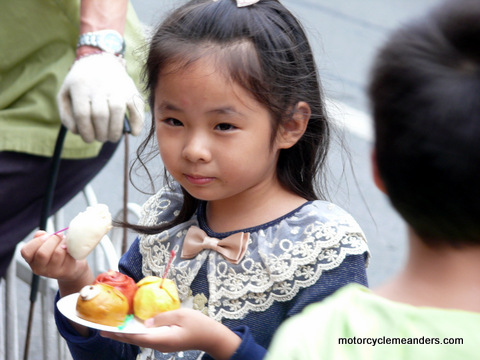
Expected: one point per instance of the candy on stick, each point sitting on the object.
(172, 255)
(155, 295)
(87, 229)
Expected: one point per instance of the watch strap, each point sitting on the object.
(94, 39)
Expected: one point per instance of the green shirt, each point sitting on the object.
(354, 323)
(37, 47)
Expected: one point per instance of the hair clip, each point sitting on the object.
(242, 3)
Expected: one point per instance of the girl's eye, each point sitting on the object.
(224, 127)
(173, 122)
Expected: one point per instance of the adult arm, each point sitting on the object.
(101, 15)
(97, 92)
(106, 14)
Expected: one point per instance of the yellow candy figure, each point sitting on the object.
(154, 297)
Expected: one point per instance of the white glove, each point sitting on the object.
(94, 97)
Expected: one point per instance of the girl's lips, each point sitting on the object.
(198, 180)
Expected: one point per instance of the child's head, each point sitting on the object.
(425, 94)
(263, 49)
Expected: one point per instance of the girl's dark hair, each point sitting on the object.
(425, 95)
(264, 49)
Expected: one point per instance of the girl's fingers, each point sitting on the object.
(31, 247)
(47, 249)
(167, 318)
(39, 251)
(39, 233)
(160, 340)
(29, 250)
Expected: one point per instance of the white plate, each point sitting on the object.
(67, 306)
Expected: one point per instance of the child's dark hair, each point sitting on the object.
(264, 49)
(425, 96)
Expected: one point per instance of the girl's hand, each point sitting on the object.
(185, 329)
(47, 256)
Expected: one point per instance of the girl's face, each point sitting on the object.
(214, 138)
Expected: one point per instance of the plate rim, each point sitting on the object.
(65, 303)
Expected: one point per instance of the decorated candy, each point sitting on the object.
(102, 304)
(123, 283)
(87, 229)
(155, 295)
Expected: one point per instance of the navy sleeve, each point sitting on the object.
(131, 262)
(248, 349)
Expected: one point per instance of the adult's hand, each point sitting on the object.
(95, 96)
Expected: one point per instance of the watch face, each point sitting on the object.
(112, 43)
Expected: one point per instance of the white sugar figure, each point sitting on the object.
(87, 229)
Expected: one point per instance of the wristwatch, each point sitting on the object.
(106, 40)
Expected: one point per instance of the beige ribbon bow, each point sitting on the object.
(232, 248)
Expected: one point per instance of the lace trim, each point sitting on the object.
(150, 354)
(280, 261)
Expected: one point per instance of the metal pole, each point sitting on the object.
(44, 215)
(126, 130)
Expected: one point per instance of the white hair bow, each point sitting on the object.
(242, 3)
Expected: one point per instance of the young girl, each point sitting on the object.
(241, 129)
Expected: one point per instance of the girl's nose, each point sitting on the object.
(197, 148)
